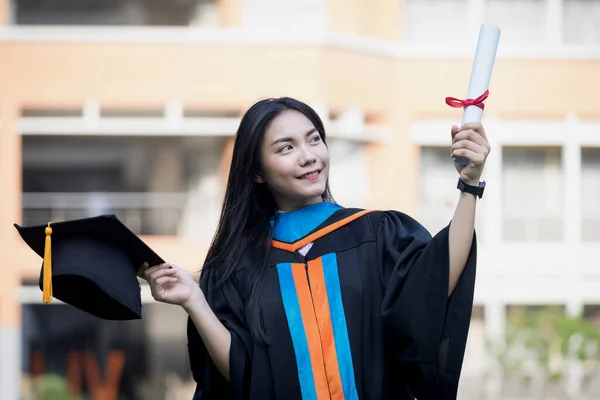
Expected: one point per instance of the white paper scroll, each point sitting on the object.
(481, 73)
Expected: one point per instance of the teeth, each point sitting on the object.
(311, 174)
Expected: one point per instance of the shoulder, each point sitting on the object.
(393, 222)
(381, 222)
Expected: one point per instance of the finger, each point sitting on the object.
(164, 280)
(474, 158)
(149, 271)
(162, 272)
(467, 144)
(476, 126)
(454, 130)
(473, 136)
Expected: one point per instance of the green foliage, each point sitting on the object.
(542, 340)
(51, 387)
(56, 387)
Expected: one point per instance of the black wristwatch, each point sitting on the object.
(475, 190)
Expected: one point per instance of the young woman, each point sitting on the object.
(301, 298)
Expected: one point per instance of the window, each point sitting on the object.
(581, 22)
(348, 172)
(155, 185)
(437, 192)
(289, 15)
(590, 194)
(438, 195)
(116, 12)
(435, 21)
(532, 194)
(521, 21)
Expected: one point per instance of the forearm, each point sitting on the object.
(214, 334)
(460, 238)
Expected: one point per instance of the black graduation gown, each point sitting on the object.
(365, 315)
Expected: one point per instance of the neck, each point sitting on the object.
(288, 206)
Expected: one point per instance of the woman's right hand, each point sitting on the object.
(171, 284)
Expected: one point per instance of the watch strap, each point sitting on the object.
(474, 190)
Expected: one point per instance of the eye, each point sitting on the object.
(285, 148)
(315, 139)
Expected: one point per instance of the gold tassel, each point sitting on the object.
(47, 283)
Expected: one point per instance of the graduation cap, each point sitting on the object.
(91, 264)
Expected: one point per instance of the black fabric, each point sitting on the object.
(407, 337)
(94, 264)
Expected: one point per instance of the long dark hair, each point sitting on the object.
(244, 229)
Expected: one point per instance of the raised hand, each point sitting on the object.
(170, 284)
(470, 142)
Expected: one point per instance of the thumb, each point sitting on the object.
(143, 267)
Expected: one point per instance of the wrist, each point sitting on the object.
(195, 302)
(470, 182)
(470, 187)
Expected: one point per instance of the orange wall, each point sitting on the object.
(10, 174)
(4, 11)
(231, 13)
(362, 18)
(54, 74)
(213, 76)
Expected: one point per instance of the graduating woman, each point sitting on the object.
(301, 298)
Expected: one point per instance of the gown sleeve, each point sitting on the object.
(227, 305)
(426, 329)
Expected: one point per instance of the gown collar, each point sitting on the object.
(294, 225)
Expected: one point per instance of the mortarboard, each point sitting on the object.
(91, 263)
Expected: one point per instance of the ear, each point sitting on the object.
(258, 178)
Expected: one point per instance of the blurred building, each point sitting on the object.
(130, 107)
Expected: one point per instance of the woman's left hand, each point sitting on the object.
(470, 142)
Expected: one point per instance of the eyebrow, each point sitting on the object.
(289, 139)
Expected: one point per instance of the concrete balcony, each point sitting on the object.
(539, 273)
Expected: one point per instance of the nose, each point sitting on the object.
(307, 158)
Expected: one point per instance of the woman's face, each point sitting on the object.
(295, 161)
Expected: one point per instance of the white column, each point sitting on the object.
(572, 215)
(201, 212)
(554, 25)
(572, 228)
(10, 363)
(491, 203)
(572, 186)
(476, 15)
(164, 176)
(10, 309)
(495, 319)
(495, 330)
(495, 309)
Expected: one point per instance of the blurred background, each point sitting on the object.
(130, 107)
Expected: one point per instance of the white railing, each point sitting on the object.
(514, 132)
(352, 128)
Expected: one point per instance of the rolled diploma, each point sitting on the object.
(483, 64)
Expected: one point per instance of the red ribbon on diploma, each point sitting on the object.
(456, 103)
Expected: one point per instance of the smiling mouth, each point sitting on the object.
(309, 175)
